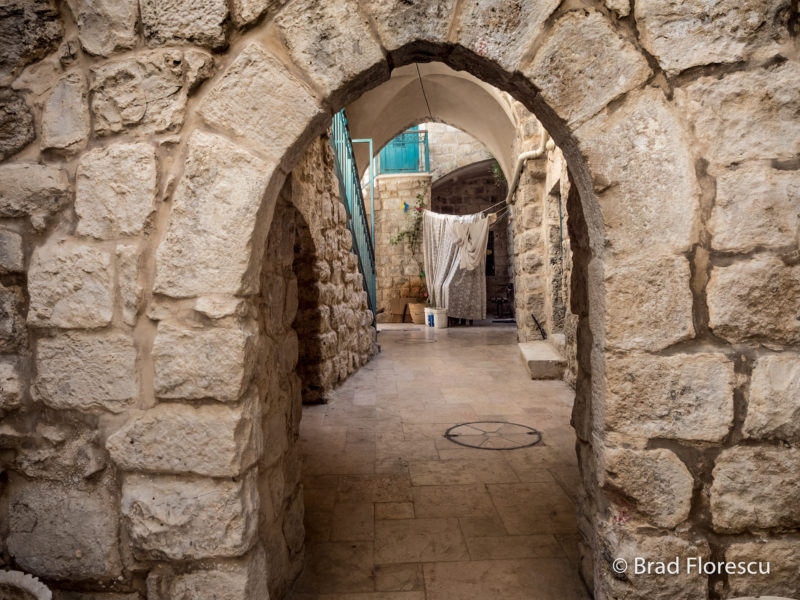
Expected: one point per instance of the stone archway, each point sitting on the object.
(672, 263)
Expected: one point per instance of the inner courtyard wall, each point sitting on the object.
(142, 163)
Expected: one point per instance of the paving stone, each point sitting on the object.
(115, 190)
(452, 501)
(85, 371)
(533, 508)
(418, 540)
(170, 518)
(338, 567)
(71, 285)
(583, 65)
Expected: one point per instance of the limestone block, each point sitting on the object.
(60, 453)
(755, 206)
(755, 297)
(115, 188)
(783, 557)
(65, 117)
(28, 189)
(756, 488)
(648, 192)
(147, 92)
(773, 409)
(29, 30)
(333, 42)
(683, 34)
(656, 480)
(231, 580)
(399, 23)
(583, 65)
(684, 396)
(648, 303)
(61, 532)
(171, 518)
(12, 258)
(245, 12)
(203, 363)
(127, 279)
(256, 88)
(215, 234)
(219, 307)
(621, 7)
(85, 371)
(13, 334)
(213, 440)
(105, 26)
(622, 541)
(71, 285)
(62, 595)
(176, 21)
(745, 115)
(16, 123)
(10, 391)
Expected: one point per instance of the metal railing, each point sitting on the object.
(406, 153)
(350, 189)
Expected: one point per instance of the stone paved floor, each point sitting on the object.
(394, 511)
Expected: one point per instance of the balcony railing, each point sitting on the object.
(350, 189)
(407, 153)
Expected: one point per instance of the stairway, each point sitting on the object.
(543, 359)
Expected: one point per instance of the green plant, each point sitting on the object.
(497, 173)
(412, 233)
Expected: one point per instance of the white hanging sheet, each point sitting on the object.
(454, 249)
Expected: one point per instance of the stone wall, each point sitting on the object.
(334, 322)
(450, 149)
(143, 154)
(397, 270)
(469, 194)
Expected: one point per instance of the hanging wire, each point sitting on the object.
(493, 205)
(424, 95)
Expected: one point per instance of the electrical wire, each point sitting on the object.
(424, 95)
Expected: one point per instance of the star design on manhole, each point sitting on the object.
(493, 435)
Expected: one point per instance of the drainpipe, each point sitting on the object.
(521, 159)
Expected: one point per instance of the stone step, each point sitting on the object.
(542, 360)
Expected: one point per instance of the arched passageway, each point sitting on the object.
(140, 320)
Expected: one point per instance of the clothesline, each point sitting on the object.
(493, 205)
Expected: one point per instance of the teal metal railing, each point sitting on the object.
(350, 189)
(406, 153)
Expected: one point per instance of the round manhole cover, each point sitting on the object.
(493, 435)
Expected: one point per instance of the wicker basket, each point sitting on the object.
(417, 311)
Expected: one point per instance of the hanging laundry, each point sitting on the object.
(454, 249)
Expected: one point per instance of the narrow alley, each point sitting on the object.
(395, 511)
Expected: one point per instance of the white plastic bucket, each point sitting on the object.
(428, 316)
(440, 318)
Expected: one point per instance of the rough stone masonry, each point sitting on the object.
(144, 149)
